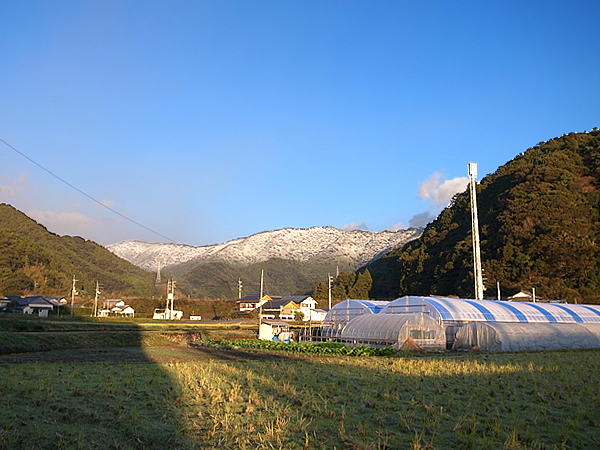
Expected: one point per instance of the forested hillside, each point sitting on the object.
(34, 261)
(281, 277)
(539, 228)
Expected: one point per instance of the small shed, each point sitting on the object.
(395, 329)
(505, 337)
(271, 330)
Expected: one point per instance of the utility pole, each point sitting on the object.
(477, 272)
(239, 288)
(262, 273)
(95, 311)
(262, 280)
(329, 283)
(73, 294)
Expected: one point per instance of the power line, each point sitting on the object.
(83, 193)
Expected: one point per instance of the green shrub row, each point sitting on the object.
(320, 348)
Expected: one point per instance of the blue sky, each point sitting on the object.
(206, 121)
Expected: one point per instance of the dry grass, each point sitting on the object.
(529, 400)
(162, 394)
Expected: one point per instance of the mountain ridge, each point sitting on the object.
(296, 244)
(34, 260)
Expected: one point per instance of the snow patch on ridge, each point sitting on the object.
(327, 243)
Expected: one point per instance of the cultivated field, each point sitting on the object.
(134, 385)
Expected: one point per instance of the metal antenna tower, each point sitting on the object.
(478, 274)
(158, 273)
(95, 312)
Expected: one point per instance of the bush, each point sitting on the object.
(320, 348)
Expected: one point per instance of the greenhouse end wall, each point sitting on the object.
(395, 329)
(496, 336)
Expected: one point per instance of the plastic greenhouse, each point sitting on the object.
(395, 329)
(455, 310)
(499, 336)
(455, 313)
(343, 312)
(487, 324)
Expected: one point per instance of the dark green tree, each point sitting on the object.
(321, 291)
(361, 288)
(342, 285)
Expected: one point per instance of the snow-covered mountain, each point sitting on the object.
(323, 243)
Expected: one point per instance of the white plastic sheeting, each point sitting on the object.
(498, 336)
(453, 310)
(395, 329)
(340, 314)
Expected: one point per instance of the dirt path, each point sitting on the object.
(174, 353)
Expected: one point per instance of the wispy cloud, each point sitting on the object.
(14, 190)
(396, 227)
(356, 226)
(71, 220)
(65, 222)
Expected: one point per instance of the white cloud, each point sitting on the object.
(72, 223)
(441, 191)
(428, 187)
(356, 226)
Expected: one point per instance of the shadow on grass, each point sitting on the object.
(81, 383)
(93, 385)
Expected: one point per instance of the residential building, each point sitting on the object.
(252, 301)
(281, 308)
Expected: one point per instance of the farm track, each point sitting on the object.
(162, 354)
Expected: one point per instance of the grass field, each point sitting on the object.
(161, 393)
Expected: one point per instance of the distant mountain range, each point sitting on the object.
(35, 260)
(293, 259)
(353, 248)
